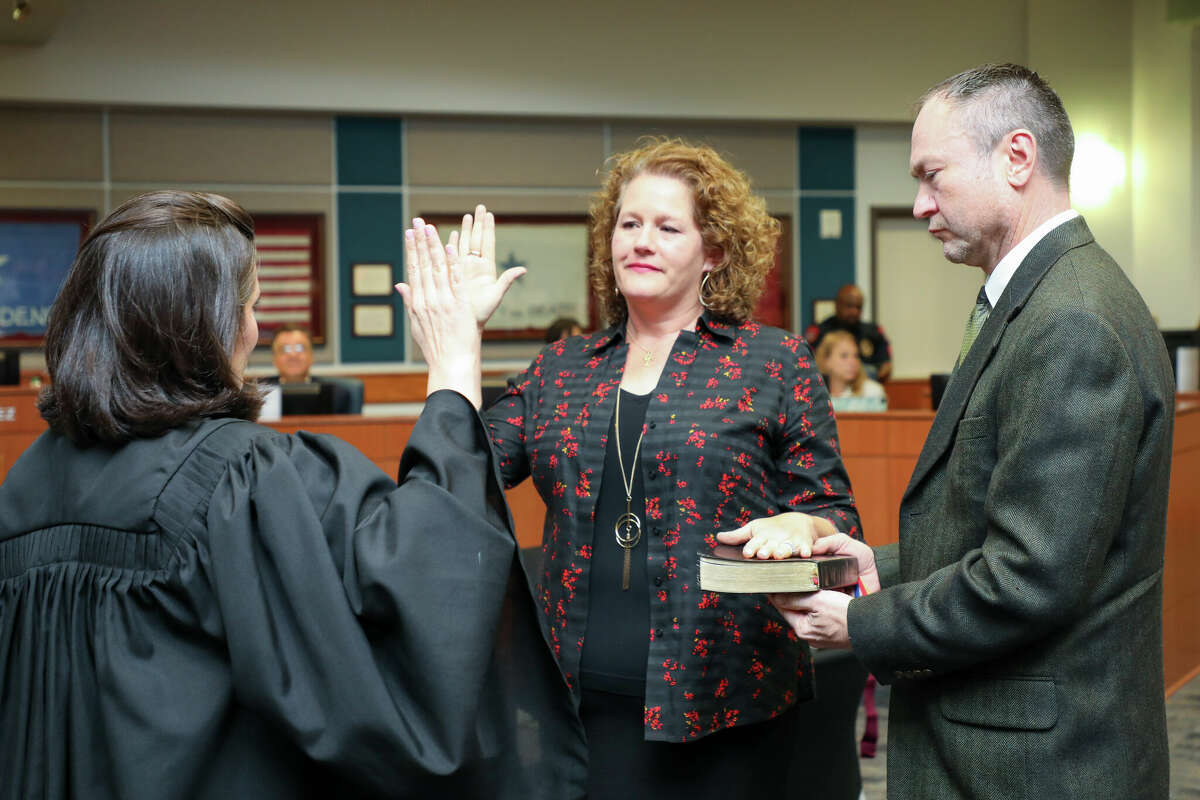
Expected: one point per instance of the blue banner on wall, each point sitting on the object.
(34, 260)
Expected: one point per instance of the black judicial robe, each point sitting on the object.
(227, 611)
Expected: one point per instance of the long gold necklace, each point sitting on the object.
(628, 527)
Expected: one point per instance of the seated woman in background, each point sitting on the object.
(682, 418)
(563, 328)
(192, 605)
(849, 387)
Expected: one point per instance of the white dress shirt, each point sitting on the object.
(1002, 274)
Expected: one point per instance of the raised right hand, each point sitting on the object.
(440, 314)
(476, 248)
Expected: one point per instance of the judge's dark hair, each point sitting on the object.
(997, 99)
(142, 334)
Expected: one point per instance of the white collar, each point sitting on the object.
(1002, 274)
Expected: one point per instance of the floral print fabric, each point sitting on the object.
(740, 426)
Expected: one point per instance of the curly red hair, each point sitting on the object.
(733, 222)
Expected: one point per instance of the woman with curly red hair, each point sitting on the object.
(683, 418)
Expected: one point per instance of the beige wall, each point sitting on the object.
(1195, 270)
(1131, 78)
(1092, 70)
(924, 298)
(1167, 265)
(756, 59)
(881, 174)
(554, 167)
(552, 89)
(94, 160)
(274, 162)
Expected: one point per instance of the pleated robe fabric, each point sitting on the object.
(227, 611)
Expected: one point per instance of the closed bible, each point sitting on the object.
(727, 570)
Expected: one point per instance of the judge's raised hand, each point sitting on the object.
(440, 313)
(781, 536)
(476, 247)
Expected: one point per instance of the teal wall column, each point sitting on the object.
(826, 181)
(371, 226)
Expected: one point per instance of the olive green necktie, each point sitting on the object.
(979, 315)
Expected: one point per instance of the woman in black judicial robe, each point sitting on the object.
(192, 605)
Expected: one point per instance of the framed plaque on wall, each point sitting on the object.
(554, 248)
(374, 320)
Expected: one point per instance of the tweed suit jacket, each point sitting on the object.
(1021, 620)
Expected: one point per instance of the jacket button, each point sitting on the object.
(658, 633)
(658, 581)
(653, 424)
(658, 531)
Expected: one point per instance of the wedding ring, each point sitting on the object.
(476, 253)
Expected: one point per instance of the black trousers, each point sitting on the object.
(747, 761)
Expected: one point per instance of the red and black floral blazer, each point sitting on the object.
(739, 426)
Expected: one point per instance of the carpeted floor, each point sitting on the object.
(1183, 734)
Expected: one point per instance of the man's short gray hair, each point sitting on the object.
(999, 98)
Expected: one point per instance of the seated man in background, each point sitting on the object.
(873, 346)
(293, 355)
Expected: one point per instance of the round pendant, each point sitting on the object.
(628, 530)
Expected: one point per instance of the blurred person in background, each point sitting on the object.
(563, 328)
(847, 381)
(873, 346)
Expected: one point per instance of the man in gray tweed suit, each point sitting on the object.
(1020, 619)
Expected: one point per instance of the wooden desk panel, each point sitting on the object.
(382, 439)
(20, 423)
(405, 387)
(908, 393)
(880, 451)
(18, 410)
(862, 434)
(409, 387)
(1181, 590)
(379, 438)
(870, 483)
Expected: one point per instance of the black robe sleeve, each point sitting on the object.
(388, 629)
